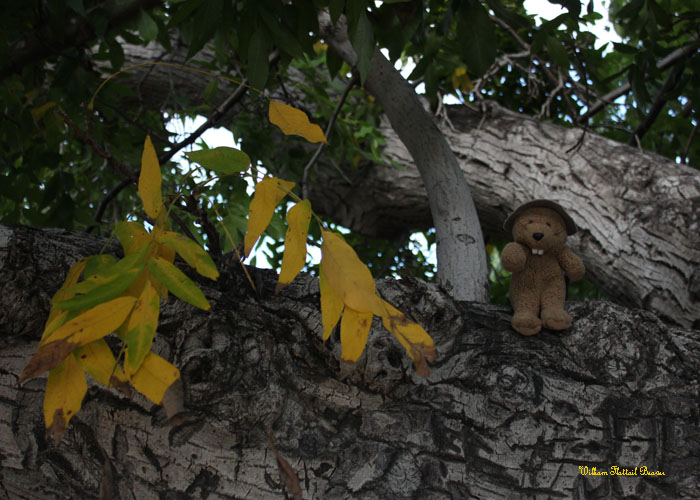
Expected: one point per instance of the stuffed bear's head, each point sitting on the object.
(541, 225)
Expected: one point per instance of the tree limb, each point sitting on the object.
(460, 245)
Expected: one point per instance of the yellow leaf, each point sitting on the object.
(294, 121)
(177, 282)
(190, 251)
(154, 377)
(320, 47)
(349, 277)
(331, 305)
(91, 325)
(141, 328)
(39, 111)
(418, 344)
(149, 181)
(95, 323)
(294, 257)
(131, 235)
(354, 328)
(461, 80)
(63, 294)
(96, 359)
(268, 193)
(65, 389)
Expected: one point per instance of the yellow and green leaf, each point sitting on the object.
(91, 325)
(177, 282)
(293, 121)
(354, 329)
(97, 360)
(58, 316)
(190, 251)
(107, 284)
(331, 305)
(154, 377)
(294, 257)
(141, 328)
(268, 193)
(348, 276)
(131, 235)
(65, 390)
(150, 181)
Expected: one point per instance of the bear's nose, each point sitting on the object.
(538, 236)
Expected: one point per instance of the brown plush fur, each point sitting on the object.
(537, 288)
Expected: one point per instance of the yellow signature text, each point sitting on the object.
(619, 471)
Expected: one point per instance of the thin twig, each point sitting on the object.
(214, 118)
(687, 145)
(90, 141)
(105, 201)
(669, 60)
(329, 129)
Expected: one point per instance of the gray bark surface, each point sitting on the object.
(501, 416)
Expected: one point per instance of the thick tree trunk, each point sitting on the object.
(639, 213)
(501, 416)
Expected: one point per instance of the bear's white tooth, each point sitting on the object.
(540, 252)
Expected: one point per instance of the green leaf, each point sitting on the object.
(363, 43)
(284, 39)
(190, 251)
(557, 52)
(107, 284)
(258, 65)
(177, 282)
(211, 90)
(336, 9)
(477, 38)
(222, 160)
(148, 29)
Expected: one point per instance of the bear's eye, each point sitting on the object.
(548, 224)
(530, 221)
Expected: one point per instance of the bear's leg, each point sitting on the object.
(553, 315)
(526, 306)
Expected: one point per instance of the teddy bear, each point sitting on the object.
(538, 259)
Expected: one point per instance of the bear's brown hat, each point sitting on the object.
(568, 221)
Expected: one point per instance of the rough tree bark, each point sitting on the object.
(501, 416)
(639, 213)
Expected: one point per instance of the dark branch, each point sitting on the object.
(675, 56)
(658, 105)
(329, 129)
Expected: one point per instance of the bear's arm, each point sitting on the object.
(513, 257)
(571, 264)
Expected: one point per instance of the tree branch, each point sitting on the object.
(669, 60)
(462, 269)
(329, 129)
